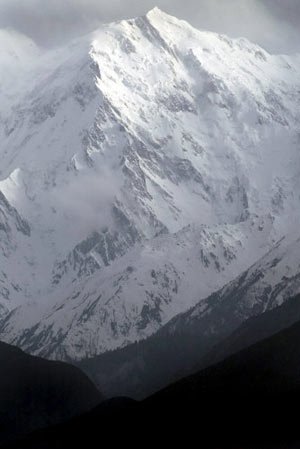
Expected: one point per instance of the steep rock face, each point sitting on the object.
(14, 236)
(116, 145)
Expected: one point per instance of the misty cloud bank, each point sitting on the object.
(273, 24)
(87, 201)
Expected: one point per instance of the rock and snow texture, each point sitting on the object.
(14, 244)
(268, 283)
(136, 295)
(152, 163)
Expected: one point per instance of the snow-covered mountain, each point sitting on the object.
(14, 244)
(152, 163)
(252, 307)
(136, 295)
(266, 284)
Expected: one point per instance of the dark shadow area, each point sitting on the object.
(36, 393)
(250, 400)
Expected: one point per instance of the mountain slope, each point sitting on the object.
(36, 393)
(180, 345)
(115, 146)
(137, 295)
(15, 235)
(254, 330)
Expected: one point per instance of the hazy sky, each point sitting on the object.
(272, 23)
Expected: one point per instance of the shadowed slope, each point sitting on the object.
(36, 393)
(249, 401)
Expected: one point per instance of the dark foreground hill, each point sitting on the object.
(250, 400)
(36, 393)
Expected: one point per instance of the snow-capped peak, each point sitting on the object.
(121, 142)
(157, 13)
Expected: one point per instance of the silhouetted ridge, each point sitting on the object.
(36, 393)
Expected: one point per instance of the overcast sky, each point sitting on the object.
(273, 24)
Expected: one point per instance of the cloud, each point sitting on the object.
(86, 202)
(271, 23)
